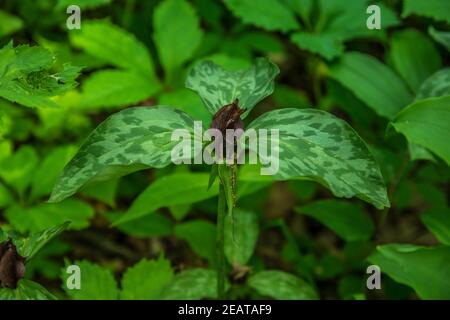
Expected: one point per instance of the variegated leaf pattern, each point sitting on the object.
(316, 145)
(436, 85)
(130, 140)
(218, 87)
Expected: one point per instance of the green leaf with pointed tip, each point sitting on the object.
(129, 140)
(177, 33)
(427, 123)
(436, 9)
(201, 236)
(436, 85)
(114, 45)
(414, 57)
(282, 286)
(372, 82)
(146, 279)
(188, 187)
(9, 23)
(437, 220)
(425, 269)
(26, 290)
(442, 37)
(348, 220)
(192, 284)
(326, 45)
(31, 245)
(268, 14)
(241, 234)
(115, 88)
(316, 145)
(97, 283)
(218, 87)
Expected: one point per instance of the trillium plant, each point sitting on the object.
(308, 144)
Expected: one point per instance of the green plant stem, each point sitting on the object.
(221, 211)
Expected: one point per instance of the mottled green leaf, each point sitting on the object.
(201, 236)
(26, 290)
(316, 145)
(177, 33)
(268, 14)
(436, 85)
(414, 56)
(47, 215)
(97, 283)
(130, 140)
(372, 82)
(218, 87)
(114, 45)
(326, 45)
(188, 188)
(427, 123)
(31, 245)
(440, 36)
(282, 286)
(437, 220)
(436, 9)
(241, 234)
(192, 284)
(114, 88)
(146, 279)
(425, 269)
(349, 221)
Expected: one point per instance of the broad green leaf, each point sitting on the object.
(372, 82)
(218, 87)
(177, 33)
(414, 57)
(302, 7)
(25, 77)
(187, 101)
(282, 286)
(28, 247)
(175, 189)
(436, 85)
(192, 284)
(427, 123)
(316, 145)
(436, 9)
(17, 170)
(425, 269)
(5, 196)
(103, 191)
(201, 236)
(437, 220)
(114, 45)
(349, 221)
(146, 279)
(130, 140)
(241, 234)
(48, 171)
(115, 88)
(26, 290)
(417, 152)
(97, 283)
(440, 36)
(9, 23)
(152, 225)
(262, 42)
(268, 14)
(43, 216)
(326, 45)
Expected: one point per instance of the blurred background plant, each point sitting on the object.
(392, 85)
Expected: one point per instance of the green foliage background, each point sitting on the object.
(293, 239)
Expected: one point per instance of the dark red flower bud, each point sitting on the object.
(12, 265)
